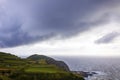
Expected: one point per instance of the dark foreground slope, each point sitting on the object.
(35, 67)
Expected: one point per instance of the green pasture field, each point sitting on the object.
(44, 69)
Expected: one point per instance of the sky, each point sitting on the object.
(60, 27)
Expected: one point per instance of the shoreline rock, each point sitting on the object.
(84, 73)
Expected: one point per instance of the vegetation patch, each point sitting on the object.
(44, 69)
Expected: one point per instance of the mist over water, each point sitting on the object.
(109, 68)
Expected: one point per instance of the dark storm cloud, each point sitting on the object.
(28, 21)
(107, 38)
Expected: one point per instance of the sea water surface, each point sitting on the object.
(107, 68)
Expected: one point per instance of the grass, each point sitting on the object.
(4, 78)
(44, 69)
(15, 62)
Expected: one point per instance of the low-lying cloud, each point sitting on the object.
(108, 38)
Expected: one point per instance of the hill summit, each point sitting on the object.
(49, 60)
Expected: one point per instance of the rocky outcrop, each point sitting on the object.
(60, 64)
(83, 73)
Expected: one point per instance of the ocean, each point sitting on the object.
(107, 68)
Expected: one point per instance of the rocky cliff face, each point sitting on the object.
(59, 64)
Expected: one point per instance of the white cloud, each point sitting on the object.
(80, 45)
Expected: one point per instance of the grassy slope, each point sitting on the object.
(44, 69)
(11, 61)
(28, 69)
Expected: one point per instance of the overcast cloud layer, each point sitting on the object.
(28, 21)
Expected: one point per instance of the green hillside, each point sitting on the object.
(35, 67)
(48, 60)
(44, 69)
(7, 56)
(10, 61)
